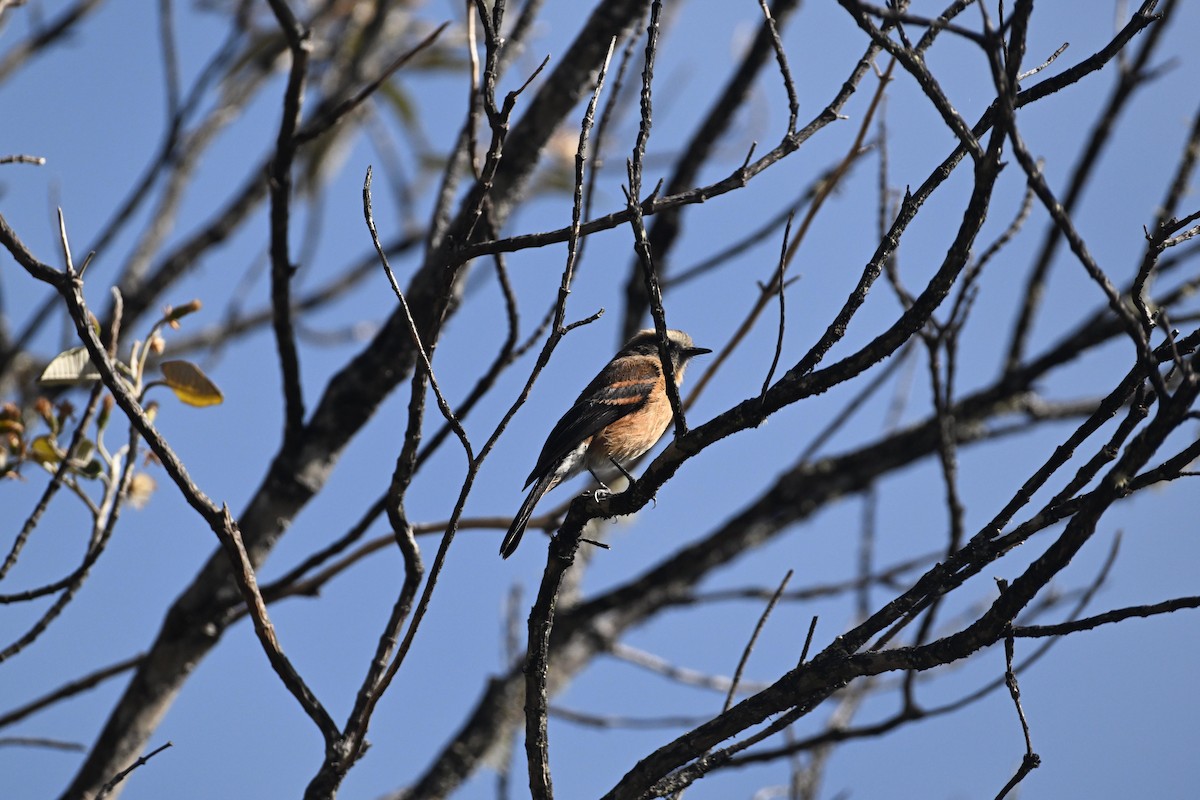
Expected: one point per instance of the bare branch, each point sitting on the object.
(107, 788)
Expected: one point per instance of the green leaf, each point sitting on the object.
(92, 469)
(83, 451)
(69, 368)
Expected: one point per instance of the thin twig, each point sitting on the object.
(38, 741)
(23, 159)
(70, 689)
(322, 123)
(1108, 617)
(1053, 56)
(418, 346)
(107, 788)
(789, 84)
(762, 620)
(300, 46)
(1031, 760)
(56, 482)
(808, 638)
(685, 676)
(779, 286)
(244, 573)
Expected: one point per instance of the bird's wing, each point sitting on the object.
(601, 404)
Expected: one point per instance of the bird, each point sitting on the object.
(621, 414)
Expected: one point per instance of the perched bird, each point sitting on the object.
(621, 414)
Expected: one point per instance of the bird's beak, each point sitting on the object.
(695, 351)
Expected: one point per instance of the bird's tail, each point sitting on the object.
(517, 529)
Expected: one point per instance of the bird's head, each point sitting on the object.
(679, 345)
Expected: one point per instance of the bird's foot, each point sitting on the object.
(632, 481)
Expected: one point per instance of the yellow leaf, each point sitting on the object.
(190, 384)
(44, 450)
